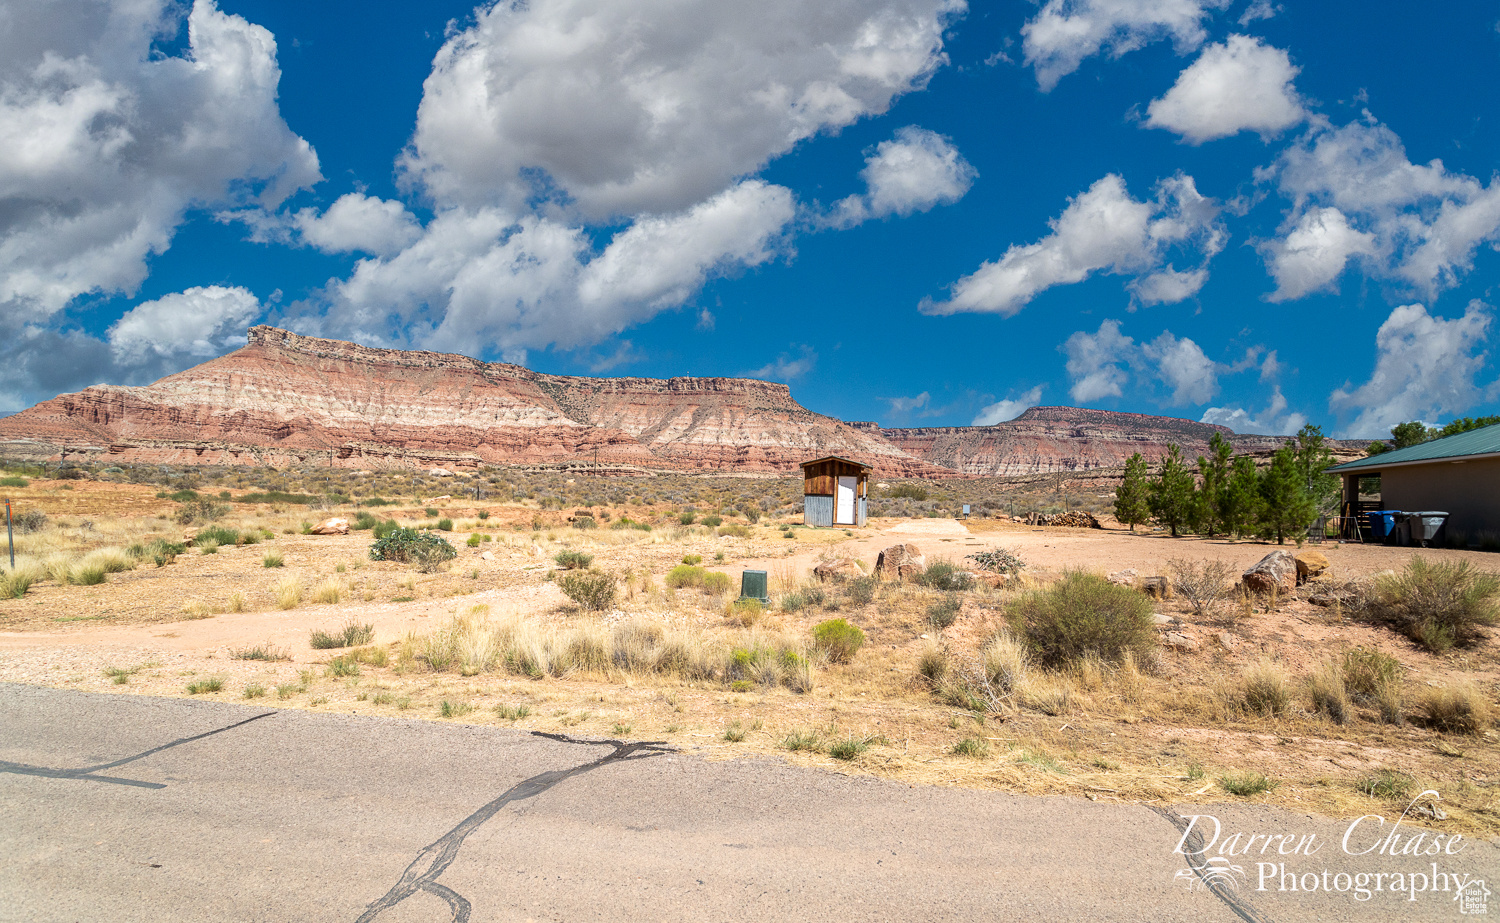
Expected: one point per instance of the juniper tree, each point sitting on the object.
(1133, 496)
(1287, 509)
(1172, 492)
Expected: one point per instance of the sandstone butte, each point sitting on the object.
(286, 399)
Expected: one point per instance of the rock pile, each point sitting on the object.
(1077, 519)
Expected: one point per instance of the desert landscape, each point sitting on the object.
(210, 582)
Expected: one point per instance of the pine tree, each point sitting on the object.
(1172, 492)
(1288, 508)
(1240, 505)
(1132, 497)
(1313, 460)
(1214, 470)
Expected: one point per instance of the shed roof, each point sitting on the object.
(825, 458)
(1476, 442)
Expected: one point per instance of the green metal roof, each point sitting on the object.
(1482, 441)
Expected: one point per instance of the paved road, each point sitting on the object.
(121, 808)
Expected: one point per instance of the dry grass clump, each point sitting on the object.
(288, 593)
(1438, 604)
(1458, 709)
(1329, 694)
(1264, 689)
(592, 590)
(1374, 678)
(473, 643)
(327, 593)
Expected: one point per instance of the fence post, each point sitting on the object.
(10, 536)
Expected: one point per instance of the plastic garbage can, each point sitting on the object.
(1424, 526)
(1382, 524)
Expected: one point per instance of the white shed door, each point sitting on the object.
(843, 501)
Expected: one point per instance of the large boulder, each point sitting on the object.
(1276, 571)
(1311, 565)
(334, 526)
(901, 562)
(836, 570)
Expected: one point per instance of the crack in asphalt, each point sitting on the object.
(434, 859)
(88, 773)
(1193, 855)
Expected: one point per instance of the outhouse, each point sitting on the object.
(834, 491)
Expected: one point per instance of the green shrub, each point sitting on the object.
(14, 482)
(343, 665)
(906, 492)
(211, 684)
(484, 514)
(363, 520)
(1388, 784)
(735, 529)
(217, 535)
(279, 496)
(571, 559)
(975, 748)
(943, 613)
(585, 522)
(353, 634)
(840, 639)
(687, 519)
(87, 574)
(28, 521)
(272, 559)
(201, 511)
(445, 525)
(1438, 604)
(943, 575)
(713, 522)
(848, 748)
(431, 512)
(1250, 783)
(1084, 613)
(473, 540)
(861, 590)
(15, 584)
(159, 551)
(590, 589)
(717, 583)
(684, 575)
(423, 549)
(692, 560)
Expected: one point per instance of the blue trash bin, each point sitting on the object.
(1382, 524)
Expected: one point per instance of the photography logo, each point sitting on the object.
(1216, 871)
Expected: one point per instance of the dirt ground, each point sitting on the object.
(1163, 735)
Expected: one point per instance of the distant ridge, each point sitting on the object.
(287, 399)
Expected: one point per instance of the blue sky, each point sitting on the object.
(921, 212)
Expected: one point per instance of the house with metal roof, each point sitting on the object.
(1458, 475)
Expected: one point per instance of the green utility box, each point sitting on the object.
(753, 586)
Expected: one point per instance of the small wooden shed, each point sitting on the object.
(834, 491)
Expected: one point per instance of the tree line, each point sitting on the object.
(1228, 495)
(1414, 432)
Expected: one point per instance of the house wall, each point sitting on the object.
(1468, 491)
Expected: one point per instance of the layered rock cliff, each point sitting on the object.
(1045, 440)
(286, 398)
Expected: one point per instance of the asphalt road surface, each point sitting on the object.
(121, 808)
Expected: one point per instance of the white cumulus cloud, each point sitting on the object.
(619, 107)
(1355, 192)
(1103, 229)
(1008, 409)
(1097, 362)
(1273, 421)
(1313, 254)
(788, 368)
(1169, 370)
(1239, 85)
(479, 278)
(357, 223)
(1425, 368)
(1065, 32)
(910, 173)
(109, 145)
(196, 323)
